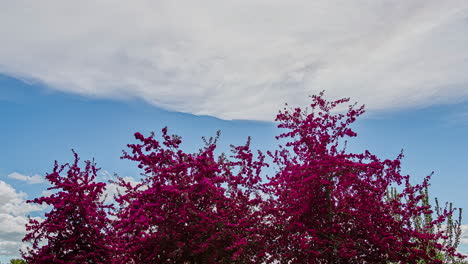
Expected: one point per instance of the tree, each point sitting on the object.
(190, 208)
(330, 206)
(450, 227)
(17, 261)
(322, 205)
(76, 229)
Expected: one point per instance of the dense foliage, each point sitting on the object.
(76, 229)
(190, 208)
(322, 205)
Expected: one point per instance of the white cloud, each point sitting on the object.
(13, 217)
(241, 59)
(35, 179)
(113, 189)
(464, 235)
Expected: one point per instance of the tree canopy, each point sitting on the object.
(321, 205)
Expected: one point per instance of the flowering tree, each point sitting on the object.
(331, 206)
(322, 205)
(190, 208)
(76, 229)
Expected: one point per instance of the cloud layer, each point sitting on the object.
(241, 59)
(464, 235)
(13, 218)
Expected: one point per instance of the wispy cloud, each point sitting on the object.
(35, 179)
(241, 59)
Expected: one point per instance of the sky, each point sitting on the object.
(86, 75)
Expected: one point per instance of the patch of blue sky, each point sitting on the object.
(40, 126)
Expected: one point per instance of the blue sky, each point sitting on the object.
(41, 126)
(87, 75)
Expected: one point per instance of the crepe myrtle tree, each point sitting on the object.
(331, 206)
(76, 228)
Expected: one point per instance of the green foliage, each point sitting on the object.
(451, 227)
(17, 261)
